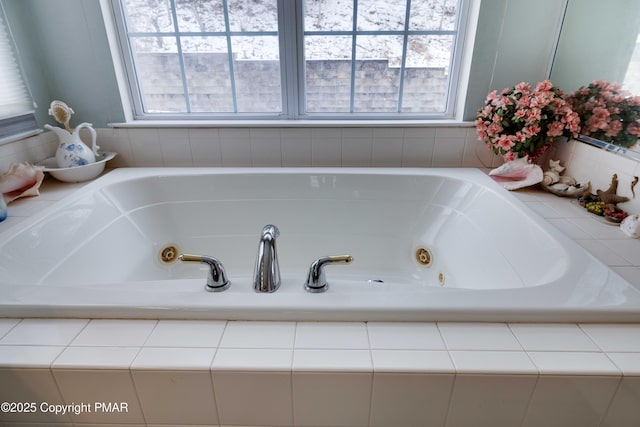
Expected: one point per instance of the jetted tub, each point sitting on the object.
(427, 244)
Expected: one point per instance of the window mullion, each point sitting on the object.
(232, 74)
(185, 86)
(405, 42)
(291, 57)
(354, 30)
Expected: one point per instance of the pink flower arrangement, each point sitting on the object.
(607, 112)
(525, 121)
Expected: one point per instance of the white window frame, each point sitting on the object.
(290, 25)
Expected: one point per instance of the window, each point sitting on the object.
(16, 106)
(291, 58)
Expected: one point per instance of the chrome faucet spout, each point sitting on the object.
(267, 272)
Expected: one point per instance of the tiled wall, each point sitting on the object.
(216, 373)
(587, 163)
(320, 146)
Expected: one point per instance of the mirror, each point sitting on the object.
(599, 40)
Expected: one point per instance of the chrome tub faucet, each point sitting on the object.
(267, 271)
(316, 279)
(217, 280)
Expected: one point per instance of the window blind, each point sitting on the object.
(16, 104)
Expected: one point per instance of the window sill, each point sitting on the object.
(289, 123)
(20, 136)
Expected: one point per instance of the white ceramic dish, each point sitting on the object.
(77, 173)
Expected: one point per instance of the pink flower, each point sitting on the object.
(544, 85)
(522, 87)
(505, 142)
(531, 130)
(634, 129)
(491, 96)
(494, 129)
(555, 129)
(614, 128)
(607, 112)
(533, 115)
(522, 120)
(599, 119)
(510, 156)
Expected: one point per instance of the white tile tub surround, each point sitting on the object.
(292, 373)
(427, 146)
(406, 373)
(174, 385)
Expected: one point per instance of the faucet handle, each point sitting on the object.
(316, 281)
(216, 278)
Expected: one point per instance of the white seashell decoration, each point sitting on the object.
(568, 180)
(518, 173)
(21, 180)
(631, 226)
(550, 177)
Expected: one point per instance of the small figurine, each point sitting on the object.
(562, 185)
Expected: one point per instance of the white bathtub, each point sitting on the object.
(96, 253)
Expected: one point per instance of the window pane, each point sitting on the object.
(439, 15)
(328, 73)
(426, 81)
(159, 76)
(149, 16)
(223, 56)
(377, 79)
(257, 74)
(253, 15)
(206, 64)
(322, 15)
(378, 15)
(200, 16)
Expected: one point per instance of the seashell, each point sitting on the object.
(631, 226)
(558, 186)
(517, 173)
(550, 177)
(554, 165)
(21, 180)
(569, 180)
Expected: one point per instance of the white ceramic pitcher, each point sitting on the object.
(71, 150)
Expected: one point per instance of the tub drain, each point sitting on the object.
(169, 254)
(424, 257)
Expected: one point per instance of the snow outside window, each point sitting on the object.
(292, 59)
